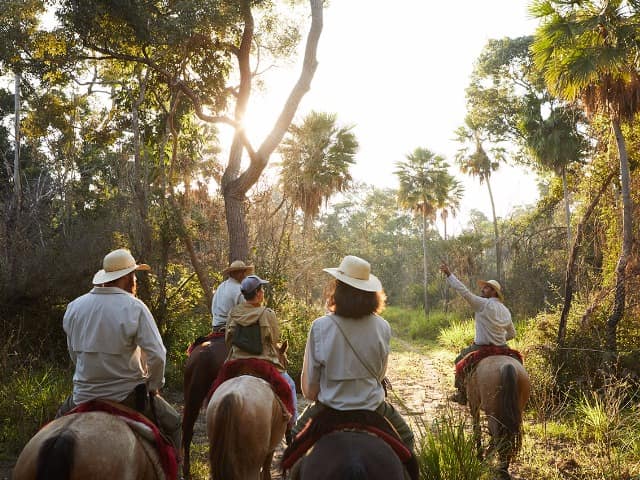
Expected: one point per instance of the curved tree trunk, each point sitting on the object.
(235, 185)
(496, 234)
(570, 274)
(627, 238)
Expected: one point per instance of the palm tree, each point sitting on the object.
(588, 51)
(424, 183)
(449, 205)
(474, 160)
(316, 156)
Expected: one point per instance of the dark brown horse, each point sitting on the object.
(94, 445)
(349, 455)
(200, 371)
(499, 386)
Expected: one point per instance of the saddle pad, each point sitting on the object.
(467, 364)
(257, 368)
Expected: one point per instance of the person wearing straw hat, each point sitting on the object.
(116, 347)
(347, 350)
(228, 294)
(493, 324)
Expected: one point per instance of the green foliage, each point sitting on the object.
(457, 335)
(29, 399)
(295, 319)
(446, 451)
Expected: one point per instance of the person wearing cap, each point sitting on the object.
(116, 347)
(250, 312)
(493, 324)
(347, 350)
(228, 293)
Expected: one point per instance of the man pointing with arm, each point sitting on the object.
(493, 324)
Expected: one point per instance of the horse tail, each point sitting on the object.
(224, 440)
(510, 415)
(55, 459)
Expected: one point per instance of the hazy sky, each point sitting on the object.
(397, 71)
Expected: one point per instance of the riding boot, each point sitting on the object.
(461, 394)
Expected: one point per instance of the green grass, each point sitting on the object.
(415, 325)
(28, 400)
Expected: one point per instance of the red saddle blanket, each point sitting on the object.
(256, 368)
(330, 420)
(467, 364)
(165, 450)
(205, 338)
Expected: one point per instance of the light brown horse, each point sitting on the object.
(499, 386)
(245, 423)
(94, 445)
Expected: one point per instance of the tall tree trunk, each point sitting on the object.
(627, 238)
(142, 236)
(496, 234)
(567, 211)
(570, 274)
(235, 185)
(424, 260)
(17, 187)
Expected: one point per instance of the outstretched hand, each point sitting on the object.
(444, 268)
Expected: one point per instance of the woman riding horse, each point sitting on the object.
(347, 350)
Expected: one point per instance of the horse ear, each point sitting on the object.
(284, 346)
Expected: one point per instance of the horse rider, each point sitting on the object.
(116, 347)
(347, 350)
(249, 313)
(228, 293)
(493, 324)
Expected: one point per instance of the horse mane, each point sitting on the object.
(510, 416)
(225, 439)
(55, 459)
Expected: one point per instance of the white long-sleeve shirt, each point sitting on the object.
(334, 371)
(227, 296)
(492, 319)
(114, 343)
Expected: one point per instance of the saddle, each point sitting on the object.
(465, 366)
(205, 338)
(257, 368)
(142, 427)
(330, 420)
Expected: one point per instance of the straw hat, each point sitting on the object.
(117, 264)
(493, 284)
(356, 272)
(237, 265)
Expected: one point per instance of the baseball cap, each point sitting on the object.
(251, 283)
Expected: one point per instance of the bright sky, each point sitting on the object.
(398, 72)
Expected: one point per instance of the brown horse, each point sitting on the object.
(245, 423)
(200, 371)
(499, 386)
(349, 455)
(94, 445)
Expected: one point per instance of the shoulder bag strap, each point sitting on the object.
(355, 352)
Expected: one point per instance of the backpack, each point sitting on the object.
(248, 338)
